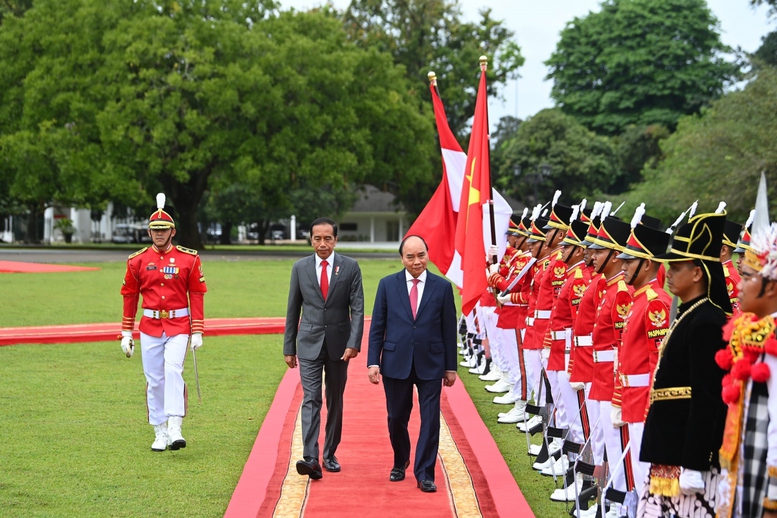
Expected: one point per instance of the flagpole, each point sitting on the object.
(483, 68)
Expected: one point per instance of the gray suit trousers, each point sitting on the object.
(334, 374)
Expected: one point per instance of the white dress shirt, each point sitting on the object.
(409, 281)
(330, 260)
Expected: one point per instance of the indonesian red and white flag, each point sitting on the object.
(437, 222)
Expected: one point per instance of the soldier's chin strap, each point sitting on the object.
(634, 277)
(609, 256)
(571, 253)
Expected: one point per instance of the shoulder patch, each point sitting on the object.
(726, 271)
(579, 273)
(651, 294)
(189, 251)
(622, 285)
(137, 253)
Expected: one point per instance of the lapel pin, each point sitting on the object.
(337, 270)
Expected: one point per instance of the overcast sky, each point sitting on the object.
(537, 25)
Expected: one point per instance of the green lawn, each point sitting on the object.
(75, 437)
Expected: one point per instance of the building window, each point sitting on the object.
(349, 227)
(392, 231)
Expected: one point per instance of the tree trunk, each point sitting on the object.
(186, 198)
(32, 224)
(264, 226)
(226, 233)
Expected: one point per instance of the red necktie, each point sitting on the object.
(414, 297)
(324, 279)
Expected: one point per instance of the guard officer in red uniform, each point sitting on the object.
(646, 325)
(171, 282)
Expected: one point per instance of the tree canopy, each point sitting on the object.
(551, 150)
(424, 35)
(639, 62)
(120, 101)
(717, 155)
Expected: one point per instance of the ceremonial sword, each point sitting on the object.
(196, 373)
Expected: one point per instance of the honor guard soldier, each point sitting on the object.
(608, 329)
(581, 359)
(743, 245)
(646, 325)
(684, 424)
(170, 280)
(507, 325)
(730, 237)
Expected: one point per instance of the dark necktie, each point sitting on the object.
(414, 297)
(324, 279)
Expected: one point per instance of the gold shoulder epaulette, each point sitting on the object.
(559, 256)
(186, 250)
(622, 285)
(726, 271)
(651, 294)
(579, 273)
(137, 253)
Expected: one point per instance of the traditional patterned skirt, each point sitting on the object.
(752, 479)
(700, 505)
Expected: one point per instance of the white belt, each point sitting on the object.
(635, 380)
(509, 304)
(542, 314)
(604, 356)
(173, 313)
(584, 341)
(529, 321)
(559, 335)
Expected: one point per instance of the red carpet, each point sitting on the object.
(472, 477)
(20, 267)
(110, 331)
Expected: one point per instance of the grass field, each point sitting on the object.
(75, 436)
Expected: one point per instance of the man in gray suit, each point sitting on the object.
(327, 289)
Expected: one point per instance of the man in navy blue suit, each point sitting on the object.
(413, 342)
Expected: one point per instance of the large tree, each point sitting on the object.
(718, 155)
(424, 35)
(551, 150)
(169, 96)
(639, 62)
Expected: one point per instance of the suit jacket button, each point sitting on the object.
(413, 327)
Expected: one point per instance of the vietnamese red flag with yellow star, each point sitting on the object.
(475, 194)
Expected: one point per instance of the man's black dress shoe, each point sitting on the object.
(398, 474)
(427, 486)
(331, 464)
(310, 468)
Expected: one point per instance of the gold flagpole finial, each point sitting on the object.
(483, 62)
(432, 77)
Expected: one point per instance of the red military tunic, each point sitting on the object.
(610, 319)
(509, 314)
(563, 316)
(581, 365)
(536, 327)
(732, 285)
(168, 280)
(646, 325)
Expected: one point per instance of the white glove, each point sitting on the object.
(493, 268)
(196, 341)
(691, 482)
(127, 343)
(545, 353)
(577, 386)
(504, 299)
(493, 250)
(616, 416)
